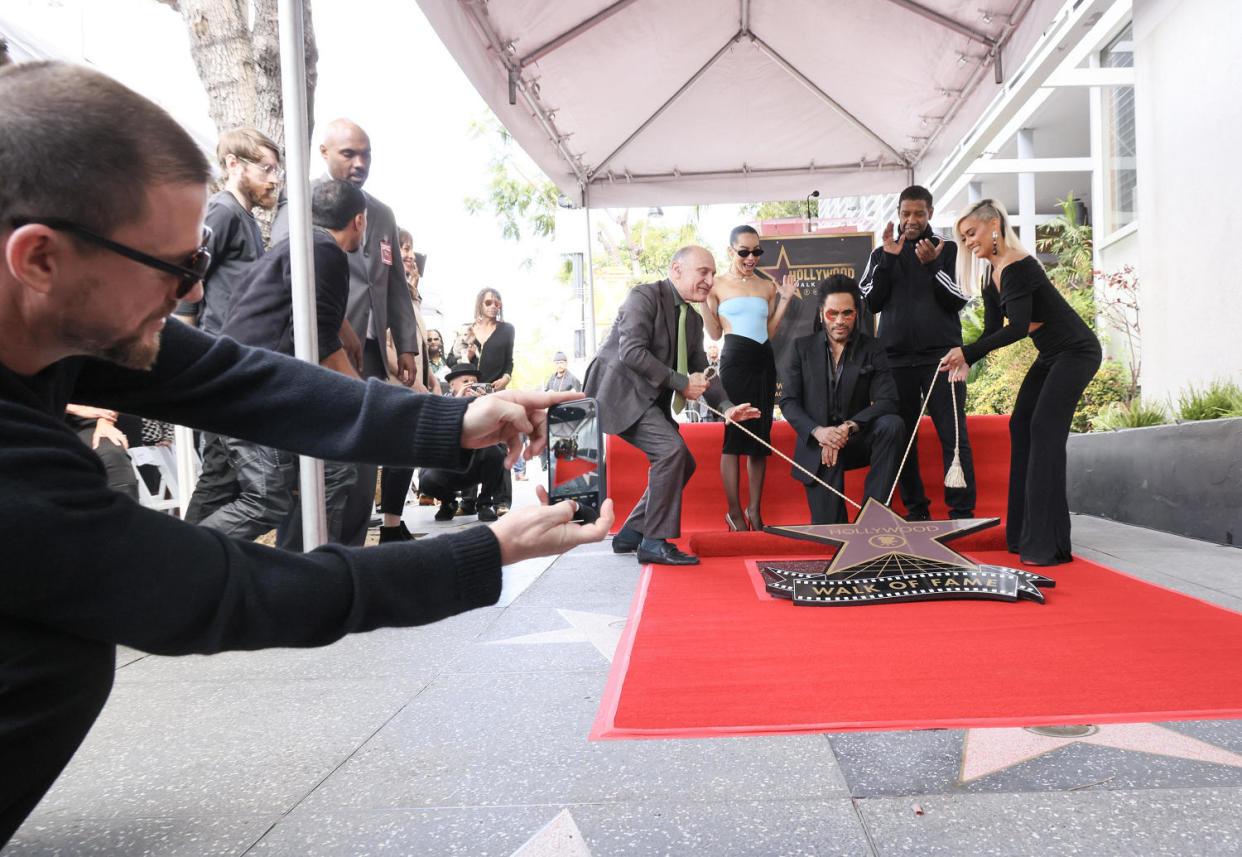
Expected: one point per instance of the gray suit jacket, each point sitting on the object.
(634, 365)
(377, 288)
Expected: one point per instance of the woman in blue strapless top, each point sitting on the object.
(746, 309)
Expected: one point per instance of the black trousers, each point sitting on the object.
(217, 484)
(912, 382)
(361, 500)
(52, 687)
(1038, 527)
(394, 486)
(879, 446)
(486, 472)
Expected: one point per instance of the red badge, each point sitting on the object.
(386, 253)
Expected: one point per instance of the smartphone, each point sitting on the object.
(576, 457)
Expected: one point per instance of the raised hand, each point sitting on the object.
(890, 246)
(505, 416)
(741, 413)
(543, 530)
(788, 287)
(927, 251)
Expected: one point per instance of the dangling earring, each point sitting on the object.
(995, 245)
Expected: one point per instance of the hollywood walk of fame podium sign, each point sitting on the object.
(883, 558)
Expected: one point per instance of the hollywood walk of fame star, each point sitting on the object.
(601, 630)
(559, 838)
(880, 534)
(776, 273)
(987, 751)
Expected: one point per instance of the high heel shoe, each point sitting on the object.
(751, 524)
(733, 528)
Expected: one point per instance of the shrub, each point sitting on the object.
(1109, 387)
(1218, 399)
(1119, 415)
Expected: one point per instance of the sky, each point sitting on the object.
(381, 65)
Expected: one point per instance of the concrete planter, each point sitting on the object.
(1184, 478)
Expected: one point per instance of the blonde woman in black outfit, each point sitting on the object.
(1016, 288)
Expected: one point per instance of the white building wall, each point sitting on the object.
(1112, 257)
(1188, 114)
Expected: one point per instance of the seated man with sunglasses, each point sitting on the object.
(840, 398)
(101, 200)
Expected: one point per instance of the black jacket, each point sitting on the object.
(865, 391)
(920, 303)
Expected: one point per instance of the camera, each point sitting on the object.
(481, 388)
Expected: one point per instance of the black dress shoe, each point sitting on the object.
(447, 509)
(623, 542)
(666, 554)
(487, 512)
(398, 533)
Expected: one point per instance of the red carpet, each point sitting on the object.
(704, 654)
(569, 469)
(784, 498)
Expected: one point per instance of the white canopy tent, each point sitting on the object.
(656, 102)
(653, 102)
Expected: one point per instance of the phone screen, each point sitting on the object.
(575, 456)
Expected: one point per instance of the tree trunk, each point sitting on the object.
(220, 44)
(240, 67)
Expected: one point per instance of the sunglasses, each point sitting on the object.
(491, 303)
(743, 253)
(190, 272)
(833, 315)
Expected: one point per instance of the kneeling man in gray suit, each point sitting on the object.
(652, 359)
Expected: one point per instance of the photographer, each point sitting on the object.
(486, 471)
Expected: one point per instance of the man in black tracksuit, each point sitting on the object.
(910, 281)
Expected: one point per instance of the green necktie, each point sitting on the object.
(683, 362)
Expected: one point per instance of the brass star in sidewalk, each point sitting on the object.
(882, 538)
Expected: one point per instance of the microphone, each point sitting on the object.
(809, 196)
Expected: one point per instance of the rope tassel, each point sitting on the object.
(954, 477)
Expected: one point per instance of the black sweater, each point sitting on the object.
(84, 561)
(1027, 295)
(920, 303)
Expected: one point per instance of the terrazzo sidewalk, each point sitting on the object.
(468, 737)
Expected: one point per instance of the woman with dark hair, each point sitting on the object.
(488, 340)
(488, 343)
(746, 309)
(1015, 287)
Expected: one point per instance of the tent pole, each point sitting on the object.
(301, 250)
(590, 274)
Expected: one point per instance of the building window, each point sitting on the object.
(1120, 165)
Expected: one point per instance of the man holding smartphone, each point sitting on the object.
(92, 263)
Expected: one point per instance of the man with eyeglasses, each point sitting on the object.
(910, 282)
(250, 161)
(839, 396)
(92, 263)
(251, 164)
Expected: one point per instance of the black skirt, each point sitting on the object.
(748, 373)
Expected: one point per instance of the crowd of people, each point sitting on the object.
(119, 296)
(852, 395)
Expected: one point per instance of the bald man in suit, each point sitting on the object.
(635, 377)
